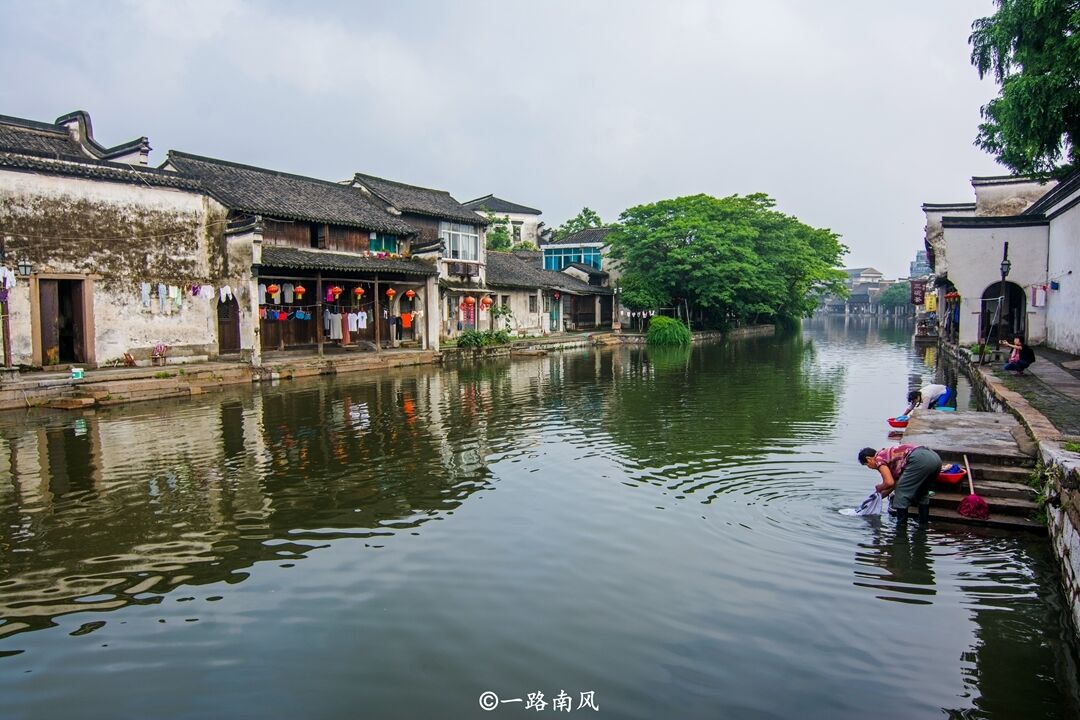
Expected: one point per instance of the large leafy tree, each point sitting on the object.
(731, 258)
(582, 221)
(498, 234)
(1032, 48)
(896, 295)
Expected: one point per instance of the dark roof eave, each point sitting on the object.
(994, 221)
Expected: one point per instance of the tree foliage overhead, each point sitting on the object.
(582, 221)
(498, 233)
(733, 258)
(1032, 48)
(896, 295)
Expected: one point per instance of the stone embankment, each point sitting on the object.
(115, 386)
(1059, 464)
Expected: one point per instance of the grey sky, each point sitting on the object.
(850, 114)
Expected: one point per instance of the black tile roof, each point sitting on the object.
(588, 235)
(419, 200)
(295, 197)
(509, 270)
(288, 257)
(19, 135)
(490, 203)
(55, 141)
(98, 170)
(588, 269)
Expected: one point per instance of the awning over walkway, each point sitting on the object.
(295, 258)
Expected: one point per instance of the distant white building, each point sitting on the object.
(524, 221)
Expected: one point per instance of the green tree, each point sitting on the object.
(896, 295)
(498, 233)
(733, 258)
(582, 221)
(524, 245)
(1032, 48)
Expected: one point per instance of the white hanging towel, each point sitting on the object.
(262, 293)
(287, 289)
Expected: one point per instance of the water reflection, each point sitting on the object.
(660, 527)
(896, 562)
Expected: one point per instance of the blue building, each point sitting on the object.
(584, 247)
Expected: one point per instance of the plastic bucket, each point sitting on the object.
(76, 373)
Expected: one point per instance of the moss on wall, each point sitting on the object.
(122, 242)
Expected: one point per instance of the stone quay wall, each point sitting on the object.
(1061, 469)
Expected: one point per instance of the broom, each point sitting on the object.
(973, 506)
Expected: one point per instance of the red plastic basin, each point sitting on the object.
(898, 423)
(951, 478)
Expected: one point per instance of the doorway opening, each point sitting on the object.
(62, 308)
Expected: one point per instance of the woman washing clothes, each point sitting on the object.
(907, 472)
(1021, 358)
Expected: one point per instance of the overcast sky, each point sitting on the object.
(849, 114)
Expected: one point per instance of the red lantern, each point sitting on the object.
(410, 294)
(273, 289)
(336, 290)
(299, 290)
(358, 292)
(556, 296)
(485, 302)
(390, 293)
(470, 300)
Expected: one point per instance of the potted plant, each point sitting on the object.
(157, 355)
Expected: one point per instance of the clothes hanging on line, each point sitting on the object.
(287, 291)
(163, 297)
(262, 293)
(144, 294)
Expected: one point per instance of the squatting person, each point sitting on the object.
(932, 395)
(907, 473)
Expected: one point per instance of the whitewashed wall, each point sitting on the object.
(111, 231)
(975, 262)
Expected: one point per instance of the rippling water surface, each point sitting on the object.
(657, 528)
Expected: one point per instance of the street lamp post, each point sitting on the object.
(1005, 267)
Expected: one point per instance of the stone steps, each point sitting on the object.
(998, 505)
(1005, 522)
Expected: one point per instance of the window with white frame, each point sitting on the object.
(462, 242)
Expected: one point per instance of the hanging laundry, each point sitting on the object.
(175, 296)
(353, 324)
(335, 326)
(262, 313)
(144, 294)
(330, 294)
(287, 290)
(162, 294)
(345, 339)
(406, 321)
(361, 320)
(326, 320)
(206, 291)
(262, 293)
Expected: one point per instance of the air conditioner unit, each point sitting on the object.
(461, 268)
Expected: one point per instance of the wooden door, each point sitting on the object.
(77, 320)
(228, 314)
(49, 314)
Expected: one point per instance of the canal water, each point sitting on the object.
(658, 529)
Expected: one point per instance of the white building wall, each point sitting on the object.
(996, 197)
(119, 235)
(1063, 267)
(976, 261)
